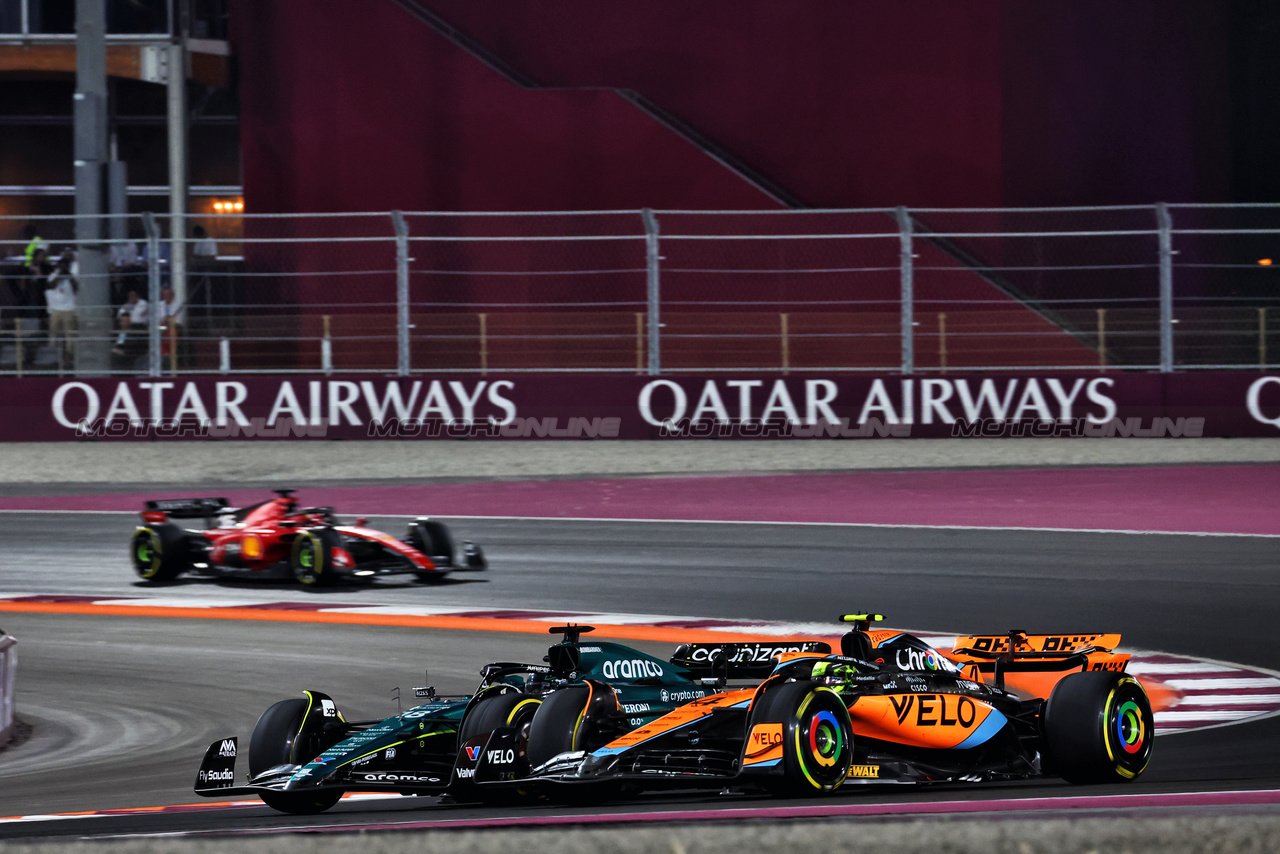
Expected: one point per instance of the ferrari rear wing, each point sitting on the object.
(188, 508)
(741, 660)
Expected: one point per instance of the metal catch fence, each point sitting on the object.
(1163, 287)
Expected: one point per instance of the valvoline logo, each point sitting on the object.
(473, 753)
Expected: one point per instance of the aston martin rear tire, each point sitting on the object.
(504, 710)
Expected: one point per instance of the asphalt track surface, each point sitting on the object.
(123, 707)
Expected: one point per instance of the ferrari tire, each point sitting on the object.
(817, 738)
(159, 552)
(275, 741)
(312, 557)
(432, 538)
(1098, 728)
(503, 710)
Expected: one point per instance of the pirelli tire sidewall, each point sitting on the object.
(513, 709)
(1098, 728)
(158, 552)
(277, 740)
(572, 718)
(817, 738)
(312, 557)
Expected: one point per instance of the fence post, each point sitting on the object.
(1102, 338)
(651, 264)
(1165, 223)
(784, 322)
(1262, 337)
(942, 341)
(326, 349)
(153, 293)
(402, 292)
(908, 284)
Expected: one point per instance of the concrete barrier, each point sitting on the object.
(8, 683)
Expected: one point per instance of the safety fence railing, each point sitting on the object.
(8, 684)
(1162, 287)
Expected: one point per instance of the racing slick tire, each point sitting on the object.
(433, 539)
(312, 557)
(275, 741)
(817, 738)
(504, 710)
(1098, 728)
(562, 724)
(159, 552)
(559, 725)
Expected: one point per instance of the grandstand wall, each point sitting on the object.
(843, 104)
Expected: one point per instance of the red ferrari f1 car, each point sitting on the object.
(278, 539)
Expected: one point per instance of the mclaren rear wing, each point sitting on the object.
(1019, 652)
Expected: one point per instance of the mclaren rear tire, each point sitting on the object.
(159, 552)
(1098, 728)
(276, 741)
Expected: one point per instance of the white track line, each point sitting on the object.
(645, 520)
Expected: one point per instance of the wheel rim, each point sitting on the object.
(822, 744)
(825, 740)
(307, 560)
(1129, 729)
(146, 555)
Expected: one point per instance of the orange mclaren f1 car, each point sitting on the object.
(887, 708)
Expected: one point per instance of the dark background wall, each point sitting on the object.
(848, 103)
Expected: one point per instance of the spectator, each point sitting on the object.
(173, 319)
(132, 318)
(29, 303)
(124, 264)
(34, 244)
(123, 255)
(60, 298)
(205, 249)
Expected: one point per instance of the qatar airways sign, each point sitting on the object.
(894, 401)
(605, 406)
